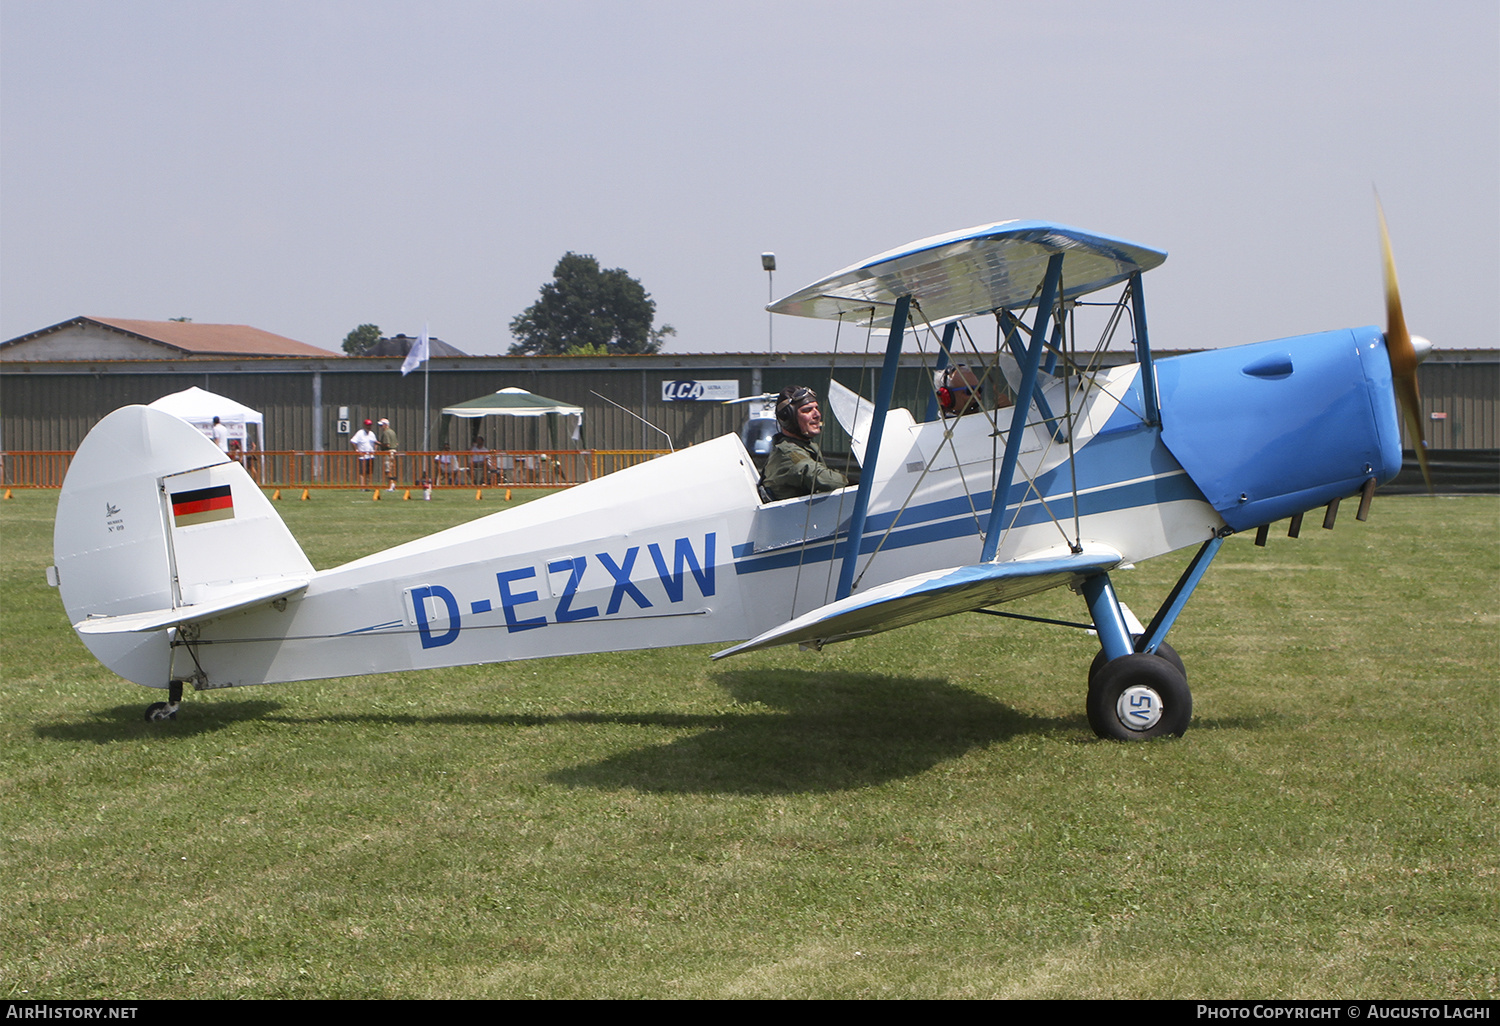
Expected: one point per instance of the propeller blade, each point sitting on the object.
(1403, 355)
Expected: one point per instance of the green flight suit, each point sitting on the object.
(796, 467)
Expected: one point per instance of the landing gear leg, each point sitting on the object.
(167, 710)
(1163, 651)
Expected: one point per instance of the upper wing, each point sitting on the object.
(969, 272)
(926, 596)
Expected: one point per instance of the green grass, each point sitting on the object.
(920, 814)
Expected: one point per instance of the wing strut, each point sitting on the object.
(1018, 352)
(1143, 349)
(1024, 393)
(945, 357)
(872, 447)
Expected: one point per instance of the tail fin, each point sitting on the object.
(155, 528)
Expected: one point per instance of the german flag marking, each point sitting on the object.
(202, 506)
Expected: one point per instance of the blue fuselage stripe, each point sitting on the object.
(1122, 467)
(930, 523)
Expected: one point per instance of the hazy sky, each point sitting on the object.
(309, 166)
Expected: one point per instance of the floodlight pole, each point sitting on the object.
(768, 264)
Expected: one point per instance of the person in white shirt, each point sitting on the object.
(221, 435)
(364, 442)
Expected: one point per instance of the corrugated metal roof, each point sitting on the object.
(195, 339)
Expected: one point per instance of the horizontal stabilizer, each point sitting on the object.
(257, 594)
(929, 595)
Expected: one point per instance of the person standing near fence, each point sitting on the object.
(390, 445)
(364, 442)
(479, 461)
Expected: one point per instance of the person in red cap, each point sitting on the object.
(364, 442)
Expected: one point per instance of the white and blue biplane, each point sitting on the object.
(174, 567)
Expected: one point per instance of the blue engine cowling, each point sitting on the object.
(1278, 428)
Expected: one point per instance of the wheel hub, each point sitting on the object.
(1139, 707)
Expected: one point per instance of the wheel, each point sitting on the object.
(158, 711)
(1138, 697)
(1163, 650)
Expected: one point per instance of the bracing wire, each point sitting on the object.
(830, 581)
(1086, 374)
(1089, 378)
(1070, 334)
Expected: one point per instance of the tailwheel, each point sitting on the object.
(1138, 697)
(158, 711)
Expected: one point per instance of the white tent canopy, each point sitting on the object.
(512, 402)
(199, 408)
(517, 402)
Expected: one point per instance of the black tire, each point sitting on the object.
(1163, 650)
(1138, 697)
(158, 711)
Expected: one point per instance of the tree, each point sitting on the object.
(586, 310)
(362, 339)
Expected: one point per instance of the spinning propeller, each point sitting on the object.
(1403, 352)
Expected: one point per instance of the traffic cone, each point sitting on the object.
(304, 495)
(478, 494)
(375, 495)
(276, 495)
(507, 495)
(406, 495)
(7, 493)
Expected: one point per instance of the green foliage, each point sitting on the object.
(361, 339)
(585, 310)
(922, 813)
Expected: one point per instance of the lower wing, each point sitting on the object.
(929, 595)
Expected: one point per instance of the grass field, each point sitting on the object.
(920, 814)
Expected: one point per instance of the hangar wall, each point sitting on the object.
(49, 406)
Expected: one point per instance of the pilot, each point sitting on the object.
(958, 390)
(796, 465)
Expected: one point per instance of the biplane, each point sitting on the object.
(175, 569)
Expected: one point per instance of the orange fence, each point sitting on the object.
(537, 468)
(34, 469)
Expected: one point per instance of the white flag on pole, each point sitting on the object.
(418, 354)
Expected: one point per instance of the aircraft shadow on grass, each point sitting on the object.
(806, 731)
(822, 732)
(812, 732)
(817, 732)
(123, 722)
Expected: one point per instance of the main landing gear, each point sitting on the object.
(1138, 686)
